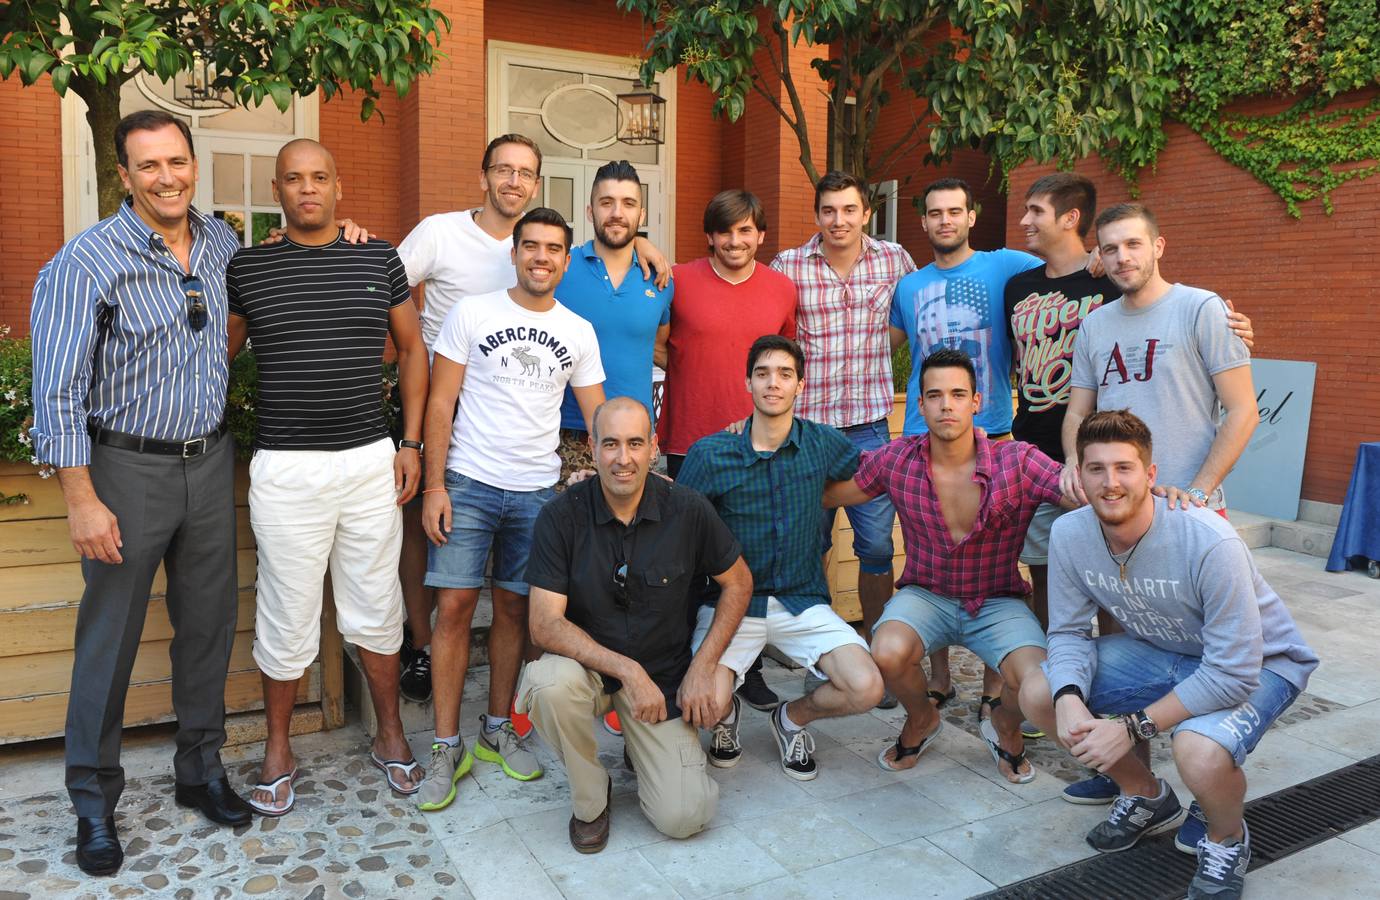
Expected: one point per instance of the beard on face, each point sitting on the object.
(602, 235)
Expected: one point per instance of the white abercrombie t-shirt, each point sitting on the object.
(457, 259)
(517, 364)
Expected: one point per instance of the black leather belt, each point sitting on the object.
(186, 449)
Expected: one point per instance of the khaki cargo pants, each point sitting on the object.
(565, 701)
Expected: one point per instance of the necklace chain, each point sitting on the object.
(1122, 564)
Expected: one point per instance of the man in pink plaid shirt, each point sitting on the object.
(845, 279)
(964, 503)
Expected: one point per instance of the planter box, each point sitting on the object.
(40, 590)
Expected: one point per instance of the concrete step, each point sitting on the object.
(1254, 530)
(1300, 536)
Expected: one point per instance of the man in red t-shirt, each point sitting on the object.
(724, 302)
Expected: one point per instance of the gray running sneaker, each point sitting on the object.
(724, 748)
(448, 765)
(1222, 869)
(1133, 818)
(505, 749)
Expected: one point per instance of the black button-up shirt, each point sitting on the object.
(673, 542)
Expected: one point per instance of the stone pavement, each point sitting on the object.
(951, 827)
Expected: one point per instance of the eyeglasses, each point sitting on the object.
(196, 307)
(620, 584)
(503, 172)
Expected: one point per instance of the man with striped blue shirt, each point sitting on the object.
(767, 484)
(130, 371)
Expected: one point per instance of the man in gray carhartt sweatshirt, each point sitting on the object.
(1209, 650)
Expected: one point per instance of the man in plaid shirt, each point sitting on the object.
(845, 280)
(964, 502)
(766, 484)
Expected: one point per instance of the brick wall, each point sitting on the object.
(30, 193)
(1308, 284)
(367, 157)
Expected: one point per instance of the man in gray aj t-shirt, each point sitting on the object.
(1164, 351)
(1209, 651)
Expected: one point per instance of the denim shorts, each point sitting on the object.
(1002, 624)
(1132, 674)
(872, 521)
(485, 518)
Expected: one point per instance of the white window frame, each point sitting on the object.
(889, 189)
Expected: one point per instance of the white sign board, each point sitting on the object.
(1268, 475)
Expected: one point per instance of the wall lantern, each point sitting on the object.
(641, 117)
(194, 88)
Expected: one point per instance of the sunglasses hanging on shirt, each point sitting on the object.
(196, 305)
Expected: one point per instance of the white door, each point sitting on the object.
(565, 188)
(236, 183)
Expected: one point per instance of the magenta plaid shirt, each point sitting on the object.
(1015, 478)
(841, 325)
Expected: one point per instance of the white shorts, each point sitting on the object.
(1036, 549)
(804, 638)
(309, 508)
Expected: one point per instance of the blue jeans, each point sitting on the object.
(484, 517)
(872, 521)
(1131, 674)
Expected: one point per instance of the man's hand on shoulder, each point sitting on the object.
(1072, 487)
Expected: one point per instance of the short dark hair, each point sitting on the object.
(618, 170)
(948, 358)
(947, 184)
(1121, 211)
(148, 120)
(1066, 191)
(1115, 426)
(730, 207)
(510, 138)
(769, 342)
(835, 180)
(543, 215)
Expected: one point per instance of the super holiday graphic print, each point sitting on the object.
(1044, 326)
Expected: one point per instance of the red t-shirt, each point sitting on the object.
(713, 324)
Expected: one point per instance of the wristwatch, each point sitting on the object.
(1197, 494)
(1141, 727)
(411, 445)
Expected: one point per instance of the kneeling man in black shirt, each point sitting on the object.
(615, 570)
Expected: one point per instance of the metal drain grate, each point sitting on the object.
(1281, 823)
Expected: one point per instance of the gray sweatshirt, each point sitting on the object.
(1191, 587)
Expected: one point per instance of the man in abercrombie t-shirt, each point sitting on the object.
(326, 484)
(506, 357)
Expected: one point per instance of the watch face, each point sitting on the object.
(1146, 727)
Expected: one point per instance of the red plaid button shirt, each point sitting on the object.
(1015, 478)
(841, 324)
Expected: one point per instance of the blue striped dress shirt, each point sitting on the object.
(111, 343)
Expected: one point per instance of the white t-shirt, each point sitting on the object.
(517, 364)
(457, 259)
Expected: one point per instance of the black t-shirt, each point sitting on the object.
(674, 541)
(1043, 315)
(318, 323)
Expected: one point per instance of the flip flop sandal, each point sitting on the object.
(388, 765)
(270, 809)
(1014, 760)
(902, 751)
(940, 698)
(990, 701)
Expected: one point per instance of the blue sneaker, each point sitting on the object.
(1193, 830)
(1096, 791)
(1221, 869)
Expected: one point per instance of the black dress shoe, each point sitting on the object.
(217, 802)
(98, 845)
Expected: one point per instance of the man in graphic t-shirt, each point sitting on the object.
(1164, 351)
(507, 358)
(326, 483)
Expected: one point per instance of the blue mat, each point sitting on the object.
(1358, 533)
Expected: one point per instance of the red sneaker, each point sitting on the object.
(612, 725)
(521, 723)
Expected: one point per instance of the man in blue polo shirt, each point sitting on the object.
(767, 484)
(630, 314)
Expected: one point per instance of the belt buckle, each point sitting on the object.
(187, 447)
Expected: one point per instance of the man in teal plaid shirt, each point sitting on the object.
(767, 484)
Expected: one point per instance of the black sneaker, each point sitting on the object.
(797, 749)
(755, 692)
(1222, 868)
(1133, 818)
(724, 748)
(416, 678)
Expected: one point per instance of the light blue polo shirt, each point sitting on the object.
(625, 321)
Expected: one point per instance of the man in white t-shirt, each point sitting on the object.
(506, 357)
(451, 256)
